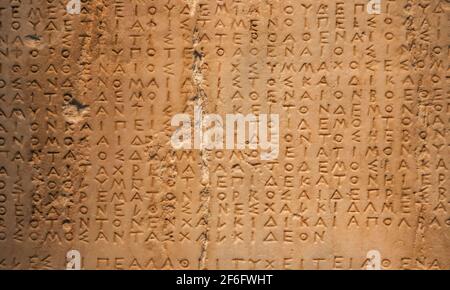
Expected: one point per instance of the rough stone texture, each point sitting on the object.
(86, 162)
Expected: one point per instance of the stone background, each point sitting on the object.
(86, 164)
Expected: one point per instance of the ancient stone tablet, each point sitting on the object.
(225, 134)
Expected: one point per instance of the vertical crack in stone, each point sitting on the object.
(76, 109)
(417, 36)
(201, 102)
(192, 6)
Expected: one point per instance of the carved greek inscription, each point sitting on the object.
(227, 134)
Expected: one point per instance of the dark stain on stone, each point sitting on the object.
(34, 37)
(78, 104)
(197, 55)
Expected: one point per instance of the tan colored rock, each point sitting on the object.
(87, 166)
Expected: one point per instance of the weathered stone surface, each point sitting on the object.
(86, 162)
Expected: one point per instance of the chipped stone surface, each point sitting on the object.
(87, 166)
